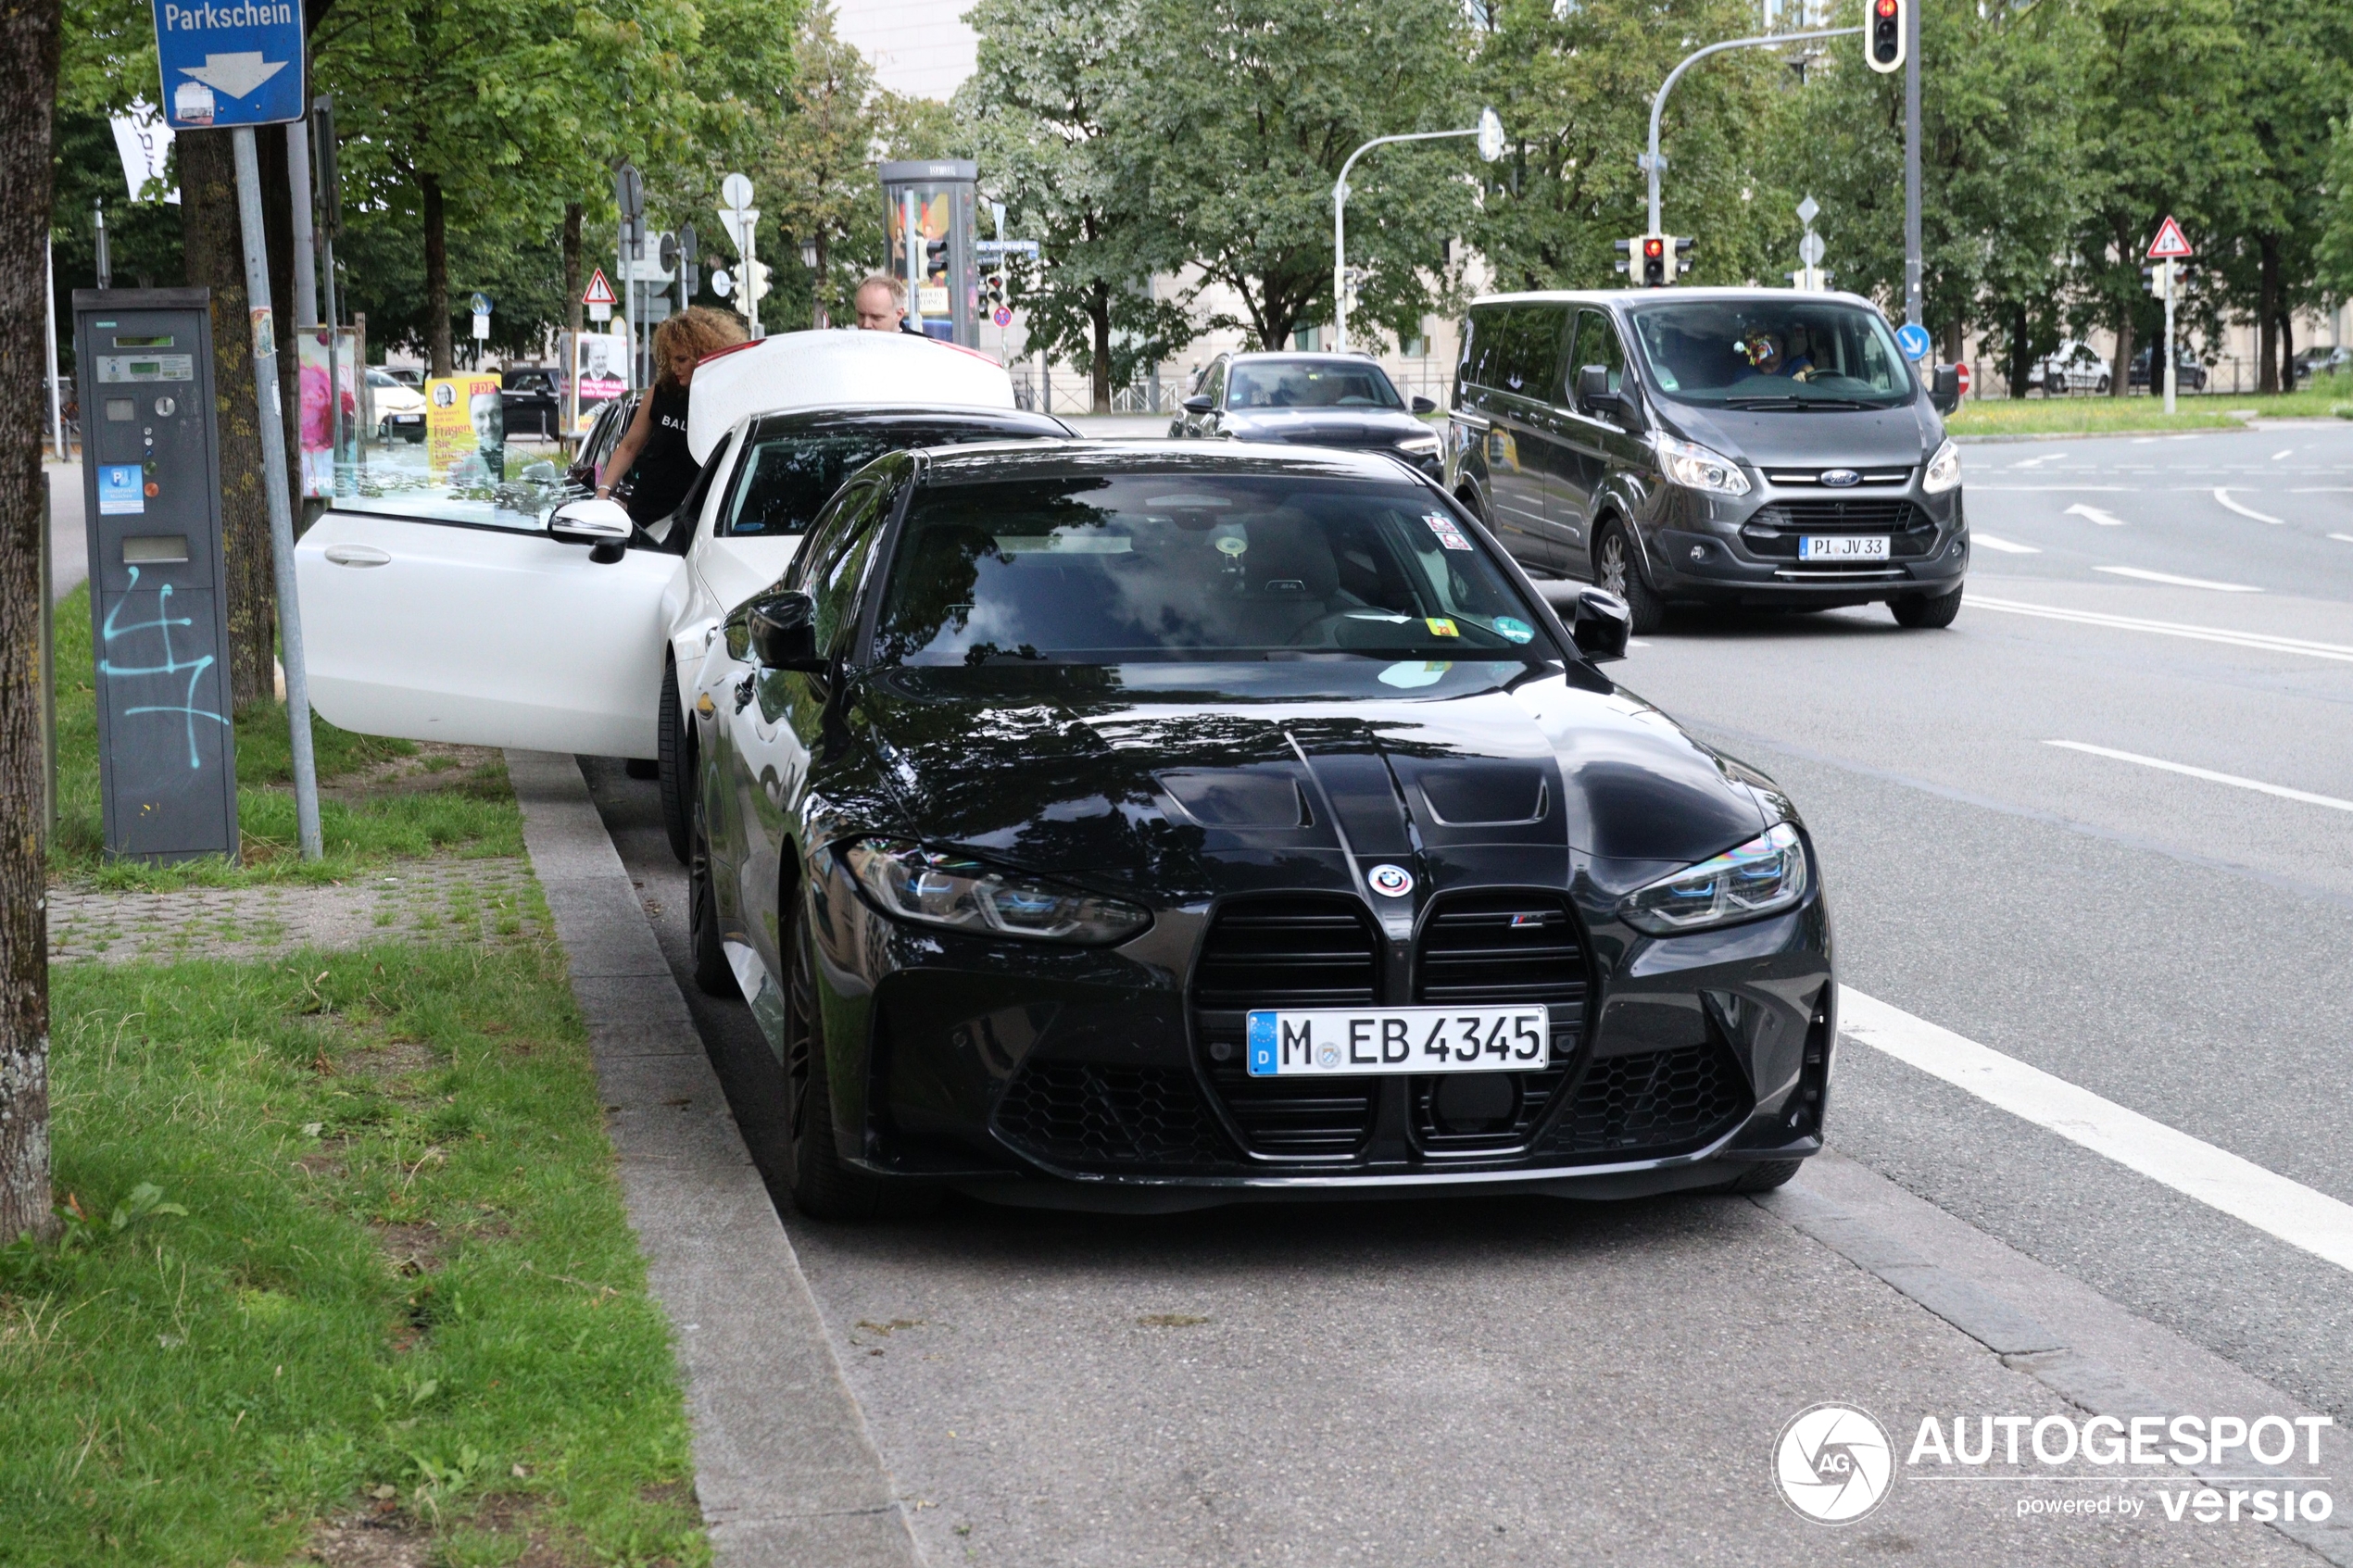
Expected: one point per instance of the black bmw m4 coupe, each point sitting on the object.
(1144, 827)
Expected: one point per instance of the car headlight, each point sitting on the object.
(934, 887)
(1766, 874)
(1696, 468)
(1944, 470)
(1420, 446)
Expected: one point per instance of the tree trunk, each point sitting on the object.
(436, 274)
(573, 310)
(2287, 351)
(1099, 322)
(2119, 378)
(210, 238)
(817, 284)
(2021, 351)
(29, 64)
(2267, 313)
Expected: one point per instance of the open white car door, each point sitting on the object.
(482, 632)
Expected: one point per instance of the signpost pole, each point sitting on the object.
(273, 485)
(2170, 275)
(912, 245)
(49, 331)
(1912, 308)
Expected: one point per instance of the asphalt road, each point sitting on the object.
(1544, 1382)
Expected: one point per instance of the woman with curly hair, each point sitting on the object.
(654, 449)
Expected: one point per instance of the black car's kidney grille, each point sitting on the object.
(1493, 949)
(1084, 1116)
(1652, 1105)
(1297, 952)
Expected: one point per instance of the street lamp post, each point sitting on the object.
(1490, 131)
(1652, 163)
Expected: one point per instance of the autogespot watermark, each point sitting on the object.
(1835, 1464)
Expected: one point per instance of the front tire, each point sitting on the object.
(1615, 568)
(824, 1187)
(674, 765)
(714, 976)
(1924, 612)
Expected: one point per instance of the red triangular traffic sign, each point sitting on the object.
(2169, 242)
(600, 291)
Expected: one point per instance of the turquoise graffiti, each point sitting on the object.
(172, 663)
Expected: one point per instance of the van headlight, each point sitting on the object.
(1695, 468)
(1764, 876)
(1944, 470)
(1420, 446)
(936, 887)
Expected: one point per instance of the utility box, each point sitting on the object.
(158, 609)
(938, 197)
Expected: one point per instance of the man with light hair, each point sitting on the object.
(881, 302)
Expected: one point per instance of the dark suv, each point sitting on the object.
(1727, 447)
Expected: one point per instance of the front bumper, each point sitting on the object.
(1744, 550)
(1110, 1080)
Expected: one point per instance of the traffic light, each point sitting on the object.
(1682, 257)
(1887, 27)
(1624, 250)
(1654, 263)
(755, 282)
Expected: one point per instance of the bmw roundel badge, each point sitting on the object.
(1839, 479)
(1390, 882)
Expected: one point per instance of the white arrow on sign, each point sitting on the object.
(2104, 519)
(236, 75)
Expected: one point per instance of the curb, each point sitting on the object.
(785, 1470)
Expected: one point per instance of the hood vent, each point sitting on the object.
(1234, 798)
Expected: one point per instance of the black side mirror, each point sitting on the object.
(1600, 624)
(1629, 410)
(783, 631)
(1423, 406)
(1202, 404)
(1945, 389)
(1592, 388)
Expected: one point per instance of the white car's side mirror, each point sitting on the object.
(602, 526)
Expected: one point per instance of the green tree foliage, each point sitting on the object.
(1050, 116)
(1247, 108)
(1573, 83)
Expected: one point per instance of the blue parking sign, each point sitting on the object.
(230, 62)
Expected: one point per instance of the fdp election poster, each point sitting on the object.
(465, 430)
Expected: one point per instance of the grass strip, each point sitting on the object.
(473, 813)
(2091, 415)
(346, 1240)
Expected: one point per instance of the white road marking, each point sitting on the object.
(2309, 1221)
(2261, 642)
(2143, 440)
(2225, 497)
(2347, 537)
(2307, 796)
(2277, 455)
(2167, 577)
(2006, 546)
(2063, 489)
(2322, 490)
(2106, 520)
(1636, 642)
(2046, 457)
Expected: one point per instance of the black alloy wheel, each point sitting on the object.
(674, 764)
(1924, 612)
(822, 1186)
(1614, 568)
(714, 976)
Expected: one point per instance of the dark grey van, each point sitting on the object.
(1727, 447)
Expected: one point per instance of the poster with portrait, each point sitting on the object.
(603, 374)
(465, 430)
(317, 431)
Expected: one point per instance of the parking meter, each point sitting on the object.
(158, 610)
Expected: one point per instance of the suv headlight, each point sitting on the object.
(1944, 470)
(1420, 446)
(1766, 874)
(933, 888)
(1696, 468)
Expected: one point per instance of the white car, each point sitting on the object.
(2073, 366)
(399, 408)
(506, 622)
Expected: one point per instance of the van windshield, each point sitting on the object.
(1790, 352)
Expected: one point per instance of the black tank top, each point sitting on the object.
(665, 469)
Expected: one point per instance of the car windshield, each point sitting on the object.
(1309, 383)
(792, 473)
(1095, 569)
(1786, 352)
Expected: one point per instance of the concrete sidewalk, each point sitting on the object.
(785, 1470)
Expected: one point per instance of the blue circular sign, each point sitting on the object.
(1912, 338)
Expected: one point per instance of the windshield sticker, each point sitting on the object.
(1439, 626)
(1666, 378)
(1448, 535)
(1417, 672)
(1517, 630)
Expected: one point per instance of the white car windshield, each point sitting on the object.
(1788, 352)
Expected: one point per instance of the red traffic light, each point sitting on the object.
(1885, 7)
(1654, 247)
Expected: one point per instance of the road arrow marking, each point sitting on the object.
(2167, 578)
(236, 75)
(2004, 546)
(2106, 520)
(2225, 497)
(2307, 796)
(2337, 653)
